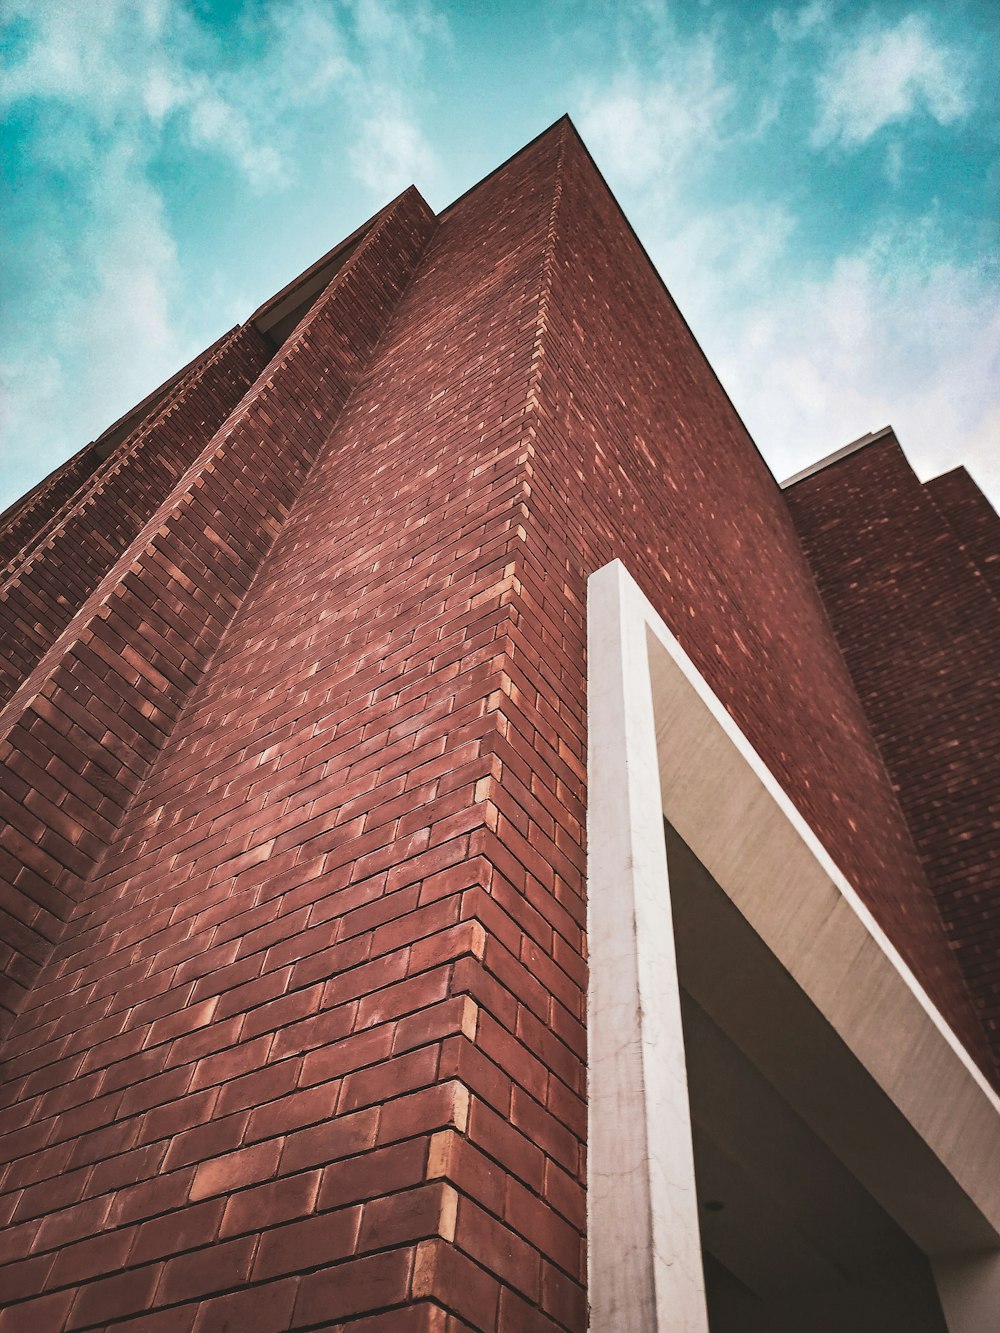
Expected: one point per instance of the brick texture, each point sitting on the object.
(641, 456)
(310, 1052)
(26, 522)
(78, 736)
(919, 624)
(76, 549)
(21, 522)
(973, 520)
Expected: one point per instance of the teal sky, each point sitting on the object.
(818, 184)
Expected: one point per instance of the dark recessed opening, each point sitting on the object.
(791, 1238)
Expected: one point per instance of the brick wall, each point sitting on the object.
(55, 498)
(315, 1039)
(44, 507)
(641, 456)
(311, 1052)
(78, 736)
(973, 520)
(23, 520)
(70, 554)
(919, 626)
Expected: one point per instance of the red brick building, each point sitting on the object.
(315, 761)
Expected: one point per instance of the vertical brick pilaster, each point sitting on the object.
(77, 737)
(22, 521)
(71, 554)
(55, 496)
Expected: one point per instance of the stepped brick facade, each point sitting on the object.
(908, 574)
(293, 767)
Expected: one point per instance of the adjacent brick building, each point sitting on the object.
(294, 677)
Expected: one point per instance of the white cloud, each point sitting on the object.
(114, 83)
(391, 152)
(888, 335)
(616, 127)
(400, 35)
(718, 259)
(389, 149)
(110, 336)
(137, 70)
(306, 53)
(125, 69)
(890, 331)
(134, 260)
(214, 123)
(886, 76)
(641, 129)
(69, 55)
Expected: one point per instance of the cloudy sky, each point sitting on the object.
(818, 184)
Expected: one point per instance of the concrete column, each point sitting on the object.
(644, 1247)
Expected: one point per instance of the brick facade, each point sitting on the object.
(972, 519)
(83, 727)
(71, 553)
(24, 519)
(295, 862)
(905, 571)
